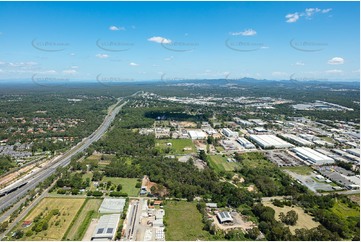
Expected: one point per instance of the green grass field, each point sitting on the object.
(219, 163)
(98, 157)
(184, 222)
(81, 222)
(68, 208)
(326, 138)
(128, 184)
(302, 170)
(177, 145)
(93, 157)
(341, 210)
(87, 175)
(254, 160)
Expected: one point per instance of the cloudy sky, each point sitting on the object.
(125, 41)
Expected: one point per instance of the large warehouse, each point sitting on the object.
(197, 134)
(106, 228)
(297, 140)
(312, 156)
(270, 141)
(245, 143)
(229, 133)
(112, 205)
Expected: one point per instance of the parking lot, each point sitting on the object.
(311, 182)
(283, 158)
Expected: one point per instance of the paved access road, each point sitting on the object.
(41, 175)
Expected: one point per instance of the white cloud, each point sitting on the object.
(326, 10)
(334, 71)
(69, 71)
(292, 17)
(299, 63)
(115, 28)
(308, 14)
(22, 64)
(169, 58)
(50, 72)
(102, 56)
(247, 32)
(133, 64)
(160, 40)
(74, 67)
(336, 61)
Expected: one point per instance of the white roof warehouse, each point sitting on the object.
(270, 141)
(312, 156)
(106, 227)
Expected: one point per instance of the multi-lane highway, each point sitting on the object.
(33, 180)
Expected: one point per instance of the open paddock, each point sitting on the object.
(57, 224)
(304, 220)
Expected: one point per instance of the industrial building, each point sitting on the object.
(224, 217)
(211, 205)
(106, 228)
(270, 141)
(312, 156)
(245, 143)
(308, 137)
(258, 122)
(112, 205)
(197, 134)
(355, 152)
(297, 140)
(243, 122)
(229, 133)
(260, 130)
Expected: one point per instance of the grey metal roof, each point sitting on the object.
(112, 205)
(106, 227)
(224, 217)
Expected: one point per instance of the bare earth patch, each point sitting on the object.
(304, 220)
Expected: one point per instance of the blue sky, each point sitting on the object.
(123, 41)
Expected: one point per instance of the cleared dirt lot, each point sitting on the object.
(239, 222)
(304, 220)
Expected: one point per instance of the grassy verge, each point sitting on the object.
(343, 211)
(302, 170)
(184, 222)
(82, 219)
